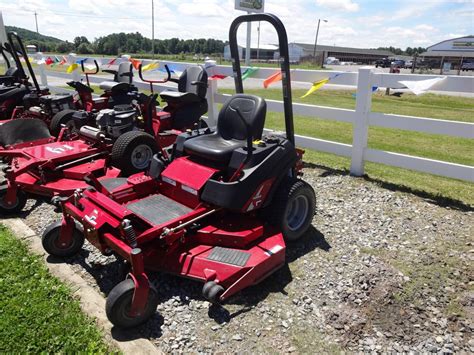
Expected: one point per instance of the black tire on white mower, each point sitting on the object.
(119, 301)
(61, 118)
(17, 206)
(212, 292)
(292, 208)
(132, 152)
(51, 245)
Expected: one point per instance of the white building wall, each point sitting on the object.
(296, 52)
(464, 44)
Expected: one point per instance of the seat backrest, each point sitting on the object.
(190, 74)
(252, 108)
(13, 71)
(124, 73)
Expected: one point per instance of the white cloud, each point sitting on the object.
(344, 5)
(84, 7)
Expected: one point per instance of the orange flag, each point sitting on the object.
(136, 63)
(272, 79)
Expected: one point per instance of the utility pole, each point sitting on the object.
(316, 39)
(36, 21)
(152, 29)
(248, 50)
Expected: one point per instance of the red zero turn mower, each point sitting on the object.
(122, 143)
(120, 91)
(14, 95)
(220, 212)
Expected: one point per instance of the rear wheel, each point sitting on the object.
(54, 247)
(61, 118)
(119, 302)
(16, 206)
(132, 152)
(292, 208)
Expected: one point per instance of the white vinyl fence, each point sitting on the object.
(361, 118)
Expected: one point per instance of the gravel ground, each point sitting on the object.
(379, 271)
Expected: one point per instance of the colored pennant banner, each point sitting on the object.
(71, 68)
(151, 66)
(135, 62)
(218, 77)
(249, 72)
(272, 79)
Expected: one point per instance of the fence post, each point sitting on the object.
(43, 76)
(212, 110)
(361, 124)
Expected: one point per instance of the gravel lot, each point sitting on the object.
(380, 271)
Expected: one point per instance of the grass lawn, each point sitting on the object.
(37, 312)
(451, 149)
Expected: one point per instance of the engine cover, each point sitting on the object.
(116, 121)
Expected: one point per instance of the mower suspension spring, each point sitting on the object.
(129, 233)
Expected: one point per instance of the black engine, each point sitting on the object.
(114, 122)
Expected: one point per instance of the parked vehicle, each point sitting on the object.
(466, 66)
(398, 63)
(332, 61)
(408, 64)
(383, 63)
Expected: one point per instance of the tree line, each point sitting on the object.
(408, 51)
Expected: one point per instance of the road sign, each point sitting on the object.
(250, 5)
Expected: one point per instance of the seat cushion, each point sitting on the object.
(114, 86)
(80, 87)
(179, 97)
(16, 93)
(213, 147)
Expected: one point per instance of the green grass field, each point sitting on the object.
(37, 312)
(451, 149)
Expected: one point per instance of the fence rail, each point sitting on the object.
(361, 118)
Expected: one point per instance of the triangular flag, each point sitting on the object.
(248, 73)
(63, 61)
(150, 66)
(272, 79)
(316, 85)
(72, 67)
(218, 77)
(135, 62)
(49, 61)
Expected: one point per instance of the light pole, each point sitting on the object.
(152, 30)
(316, 39)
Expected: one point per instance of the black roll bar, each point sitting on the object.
(5, 57)
(24, 54)
(151, 82)
(89, 73)
(284, 63)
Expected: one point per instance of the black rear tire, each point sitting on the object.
(119, 301)
(16, 207)
(50, 241)
(61, 118)
(292, 208)
(132, 152)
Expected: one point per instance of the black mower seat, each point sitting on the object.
(179, 97)
(15, 93)
(23, 130)
(192, 87)
(80, 87)
(114, 86)
(231, 133)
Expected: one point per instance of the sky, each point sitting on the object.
(353, 23)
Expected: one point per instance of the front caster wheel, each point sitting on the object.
(16, 206)
(212, 292)
(119, 302)
(54, 247)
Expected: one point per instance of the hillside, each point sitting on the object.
(28, 35)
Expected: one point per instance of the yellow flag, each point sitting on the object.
(71, 68)
(316, 85)
(150, 66)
